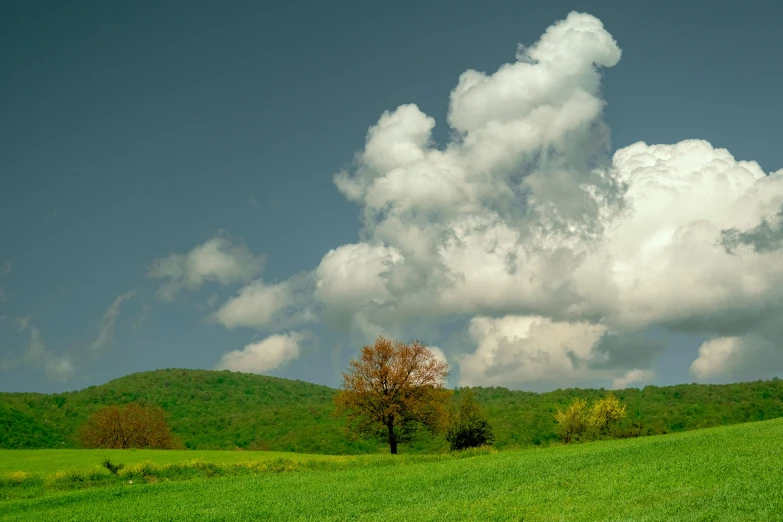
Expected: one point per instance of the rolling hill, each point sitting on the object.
(227, 410)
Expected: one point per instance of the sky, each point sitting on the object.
(575, 194)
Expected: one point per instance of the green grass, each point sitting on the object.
(212, 410)
(732, 473)
(46, 462)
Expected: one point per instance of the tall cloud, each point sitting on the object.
(222, 259)
(559, 255)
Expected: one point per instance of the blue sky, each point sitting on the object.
(134, 132)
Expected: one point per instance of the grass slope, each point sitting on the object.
(723, 474)
(224, 410)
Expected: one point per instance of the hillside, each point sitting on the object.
(225, 410)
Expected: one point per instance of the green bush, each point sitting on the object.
(469, 427)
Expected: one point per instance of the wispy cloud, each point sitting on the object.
(143, 317)
(22, 322)
(105, 337)
(8, 362)
(56, 367)
(7, 267)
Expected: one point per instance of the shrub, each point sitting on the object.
(113, 468)
(469, 427)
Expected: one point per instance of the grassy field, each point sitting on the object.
(728, 473)
(49, 462)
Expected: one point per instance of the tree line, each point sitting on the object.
(395, 393)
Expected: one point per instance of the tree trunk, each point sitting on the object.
(392, 439)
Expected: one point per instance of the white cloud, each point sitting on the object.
(438, 354)
(255, 305)
(105, 337)
(222, 259)
(716, 357)
(260, 305)
(752, 356)
(273, 352)
(523, 213)
(531, 350)
(562, 255)
(7, 267)
(632, 376)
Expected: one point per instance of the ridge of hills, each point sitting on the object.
(231, 410)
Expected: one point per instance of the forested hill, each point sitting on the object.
(226, 410)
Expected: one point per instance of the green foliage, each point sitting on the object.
(206, 410)
(727, 474)
(605, 414)
(573, 422)
(228, 410)
(20, 431)
(582, 422)
(469, 427)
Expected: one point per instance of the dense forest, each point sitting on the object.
(229, 410)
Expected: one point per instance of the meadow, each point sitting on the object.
(732, 473)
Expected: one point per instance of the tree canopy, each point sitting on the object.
(394, 390)
(128, 426)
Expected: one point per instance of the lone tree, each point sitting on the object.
(393, 390)
(469, 428)
(128, 426)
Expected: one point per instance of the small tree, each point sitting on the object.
(573, 422)
(605, 414)
(393, 390)
(127, 426)
(469, 427)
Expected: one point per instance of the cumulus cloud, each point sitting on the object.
(559, 255)
(438, 354)
(765, 237)
(266, 355)
(523, 217)
(751, 356)
(105, 336)
(631, 377)
(222, 259)
(259, 304)
(529, 349)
